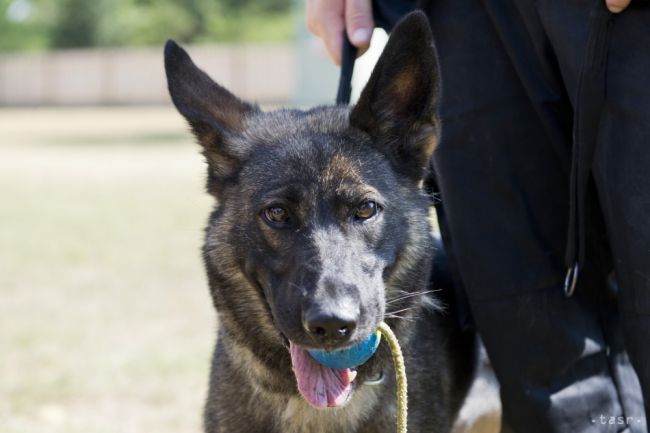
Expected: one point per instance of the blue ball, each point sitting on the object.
(350, 357)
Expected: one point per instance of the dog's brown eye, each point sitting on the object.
(277, 215)
(367, 210)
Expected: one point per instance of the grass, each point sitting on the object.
(105, 319)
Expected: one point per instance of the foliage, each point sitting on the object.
(45, 24)
(76, 22)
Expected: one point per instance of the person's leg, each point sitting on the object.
(622, 172)
(625, 124)
(503, 167)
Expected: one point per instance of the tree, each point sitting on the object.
(77, 23)
(109, 23)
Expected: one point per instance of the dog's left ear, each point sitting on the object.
(398, 106)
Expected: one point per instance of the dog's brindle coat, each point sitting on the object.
(286, 238)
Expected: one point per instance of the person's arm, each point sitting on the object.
(329, 18)
(617, 6)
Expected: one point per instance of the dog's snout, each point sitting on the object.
(332, 327)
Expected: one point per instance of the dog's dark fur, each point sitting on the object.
(320, 165)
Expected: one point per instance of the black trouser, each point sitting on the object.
(511, 73)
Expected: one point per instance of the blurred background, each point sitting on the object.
(108, 52)
(106, 325)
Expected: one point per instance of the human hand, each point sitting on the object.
(617, 6)
(329, 18)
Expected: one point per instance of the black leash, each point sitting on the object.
(589, 106)
(349, 55)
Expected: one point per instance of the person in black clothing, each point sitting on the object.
(544, 176)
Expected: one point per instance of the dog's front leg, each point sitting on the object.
(233, 404)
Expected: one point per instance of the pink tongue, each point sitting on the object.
(321, 386)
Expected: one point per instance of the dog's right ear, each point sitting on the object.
(214, 113)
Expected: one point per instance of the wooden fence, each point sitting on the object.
(267, 74)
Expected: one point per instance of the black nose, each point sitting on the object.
(330, 327)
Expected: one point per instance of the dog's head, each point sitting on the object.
(321, 226)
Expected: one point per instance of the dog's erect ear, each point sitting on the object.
(214, 113)
(398, 106)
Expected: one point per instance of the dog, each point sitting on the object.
(320, 232)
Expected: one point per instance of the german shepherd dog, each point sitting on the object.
(320, 232)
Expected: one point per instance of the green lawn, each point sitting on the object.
(105, 320)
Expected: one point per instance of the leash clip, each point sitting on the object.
(570, 280)
(375, 380)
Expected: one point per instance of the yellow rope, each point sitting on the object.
(400, 375)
